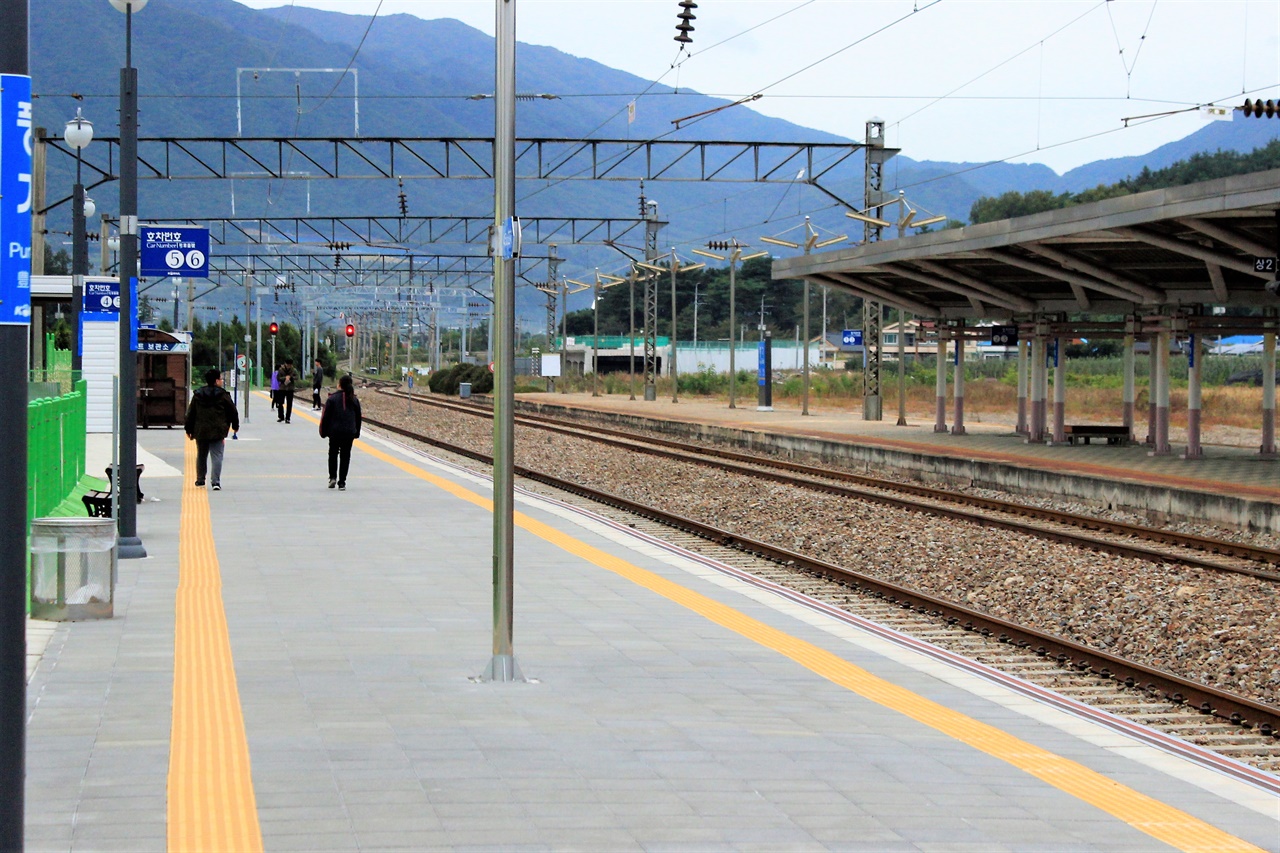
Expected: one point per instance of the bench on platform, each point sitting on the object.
(137, 482)
(97, 504)
(1077, 433)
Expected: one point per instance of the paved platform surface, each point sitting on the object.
(1223, 469)
(295, 668)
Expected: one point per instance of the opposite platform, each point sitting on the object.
(1230, 485)
(295, 668)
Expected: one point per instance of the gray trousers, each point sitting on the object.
(206, 451)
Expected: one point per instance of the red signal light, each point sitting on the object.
(275, 328)
(351, 331)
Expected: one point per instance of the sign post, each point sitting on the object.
(15, 320)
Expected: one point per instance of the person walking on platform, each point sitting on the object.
(212, 412)
(288, 376)
(317, 382)
(275, 392)
(340, 423)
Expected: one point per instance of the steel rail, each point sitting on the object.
(659, 446)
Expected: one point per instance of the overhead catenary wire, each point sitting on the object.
(1129, 123)
(1129, 66)
(695, 120)
(1038, 43)
(352, 60)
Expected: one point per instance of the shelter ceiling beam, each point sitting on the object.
(1051, 271)
(1149, 295)
(876, 290)
(1234, 239)
(1020, 303)
(976, 296)
(1218, 280)
(1191, 250)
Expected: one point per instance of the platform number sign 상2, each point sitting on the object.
(1268, 265)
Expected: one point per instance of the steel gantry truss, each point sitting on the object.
(394, 231)
(546, 159)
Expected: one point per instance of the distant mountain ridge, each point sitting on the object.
(416, 77)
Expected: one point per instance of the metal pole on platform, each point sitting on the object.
(15, 267)
(503, 665)
(130, 545)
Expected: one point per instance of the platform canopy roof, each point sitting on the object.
(1196, 245)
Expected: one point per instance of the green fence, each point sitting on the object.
(55, 448)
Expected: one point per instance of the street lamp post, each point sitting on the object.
(130, 546)
(78, 134)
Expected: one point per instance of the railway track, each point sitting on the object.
(1234, 726)
(1083, 531)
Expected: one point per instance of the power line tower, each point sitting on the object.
(649, 212)
(553, 274)
(873, 312)
(550, 288)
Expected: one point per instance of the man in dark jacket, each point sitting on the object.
(211, 413)
(288, 376)
(340, 423)
(317, 382)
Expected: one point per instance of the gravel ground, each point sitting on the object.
(1216, 628)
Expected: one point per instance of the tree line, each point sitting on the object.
(1198, 167)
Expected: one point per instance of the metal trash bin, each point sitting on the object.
(464, 390)
(73, 568)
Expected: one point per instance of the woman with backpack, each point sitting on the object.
(340, 423)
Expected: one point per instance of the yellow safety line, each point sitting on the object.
(1173, 826)
(211, 801)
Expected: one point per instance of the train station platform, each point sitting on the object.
(298, 668)
(1229, 484)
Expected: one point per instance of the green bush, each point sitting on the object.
(446, 381)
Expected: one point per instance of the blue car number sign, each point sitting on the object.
(179, 251)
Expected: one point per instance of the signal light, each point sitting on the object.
(351, 331)
(686, 17)
(1259, 108)
(275, 329)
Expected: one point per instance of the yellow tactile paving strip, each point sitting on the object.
(1159, 820)
(210, 791)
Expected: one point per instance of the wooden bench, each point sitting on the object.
(1077, 433)
(137, 482)
(97, 504)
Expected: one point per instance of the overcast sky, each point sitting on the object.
(958, 80)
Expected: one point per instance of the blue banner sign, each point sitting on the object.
(851, 338)
(15, 199)
(133, 318)
(175, 251)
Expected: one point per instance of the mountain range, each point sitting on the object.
(215, 68)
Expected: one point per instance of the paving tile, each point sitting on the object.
(649, 728)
